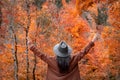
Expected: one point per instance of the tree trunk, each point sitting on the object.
(14, 51)
(36, 35)
(0, 16)
(27, 59)
(27, 31)
(34, 68)
(14, 41)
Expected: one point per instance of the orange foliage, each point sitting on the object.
(115, 9)
(82, 5)
(103, 60)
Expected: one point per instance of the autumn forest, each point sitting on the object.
(47, 22)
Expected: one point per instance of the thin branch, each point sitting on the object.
(14, 50)
(27, 31)
(0, 16)
(35, 59)
(14, 41)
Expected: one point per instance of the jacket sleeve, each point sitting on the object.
(41, 55)
(83, 52)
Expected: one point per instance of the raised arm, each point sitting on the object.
(40, 54)
(87, 48)
(89, 45)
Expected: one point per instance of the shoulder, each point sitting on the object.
(73, 56)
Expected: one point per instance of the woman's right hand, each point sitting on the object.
(31, 45)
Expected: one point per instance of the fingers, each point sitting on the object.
(29, 42)
(96, 37)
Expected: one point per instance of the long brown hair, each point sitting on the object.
(63, 64)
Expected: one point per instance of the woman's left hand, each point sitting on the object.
(96, 37)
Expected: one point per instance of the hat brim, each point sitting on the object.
(58, 53)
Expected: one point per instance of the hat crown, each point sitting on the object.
(63, 45)
(63, 48)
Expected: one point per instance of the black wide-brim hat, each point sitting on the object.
(62, 49)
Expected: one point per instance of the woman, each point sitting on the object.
(63, 66)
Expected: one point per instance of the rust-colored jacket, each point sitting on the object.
(53, 70)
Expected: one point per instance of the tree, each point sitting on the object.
(14, 39)
(0, 15)
(27, 32)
